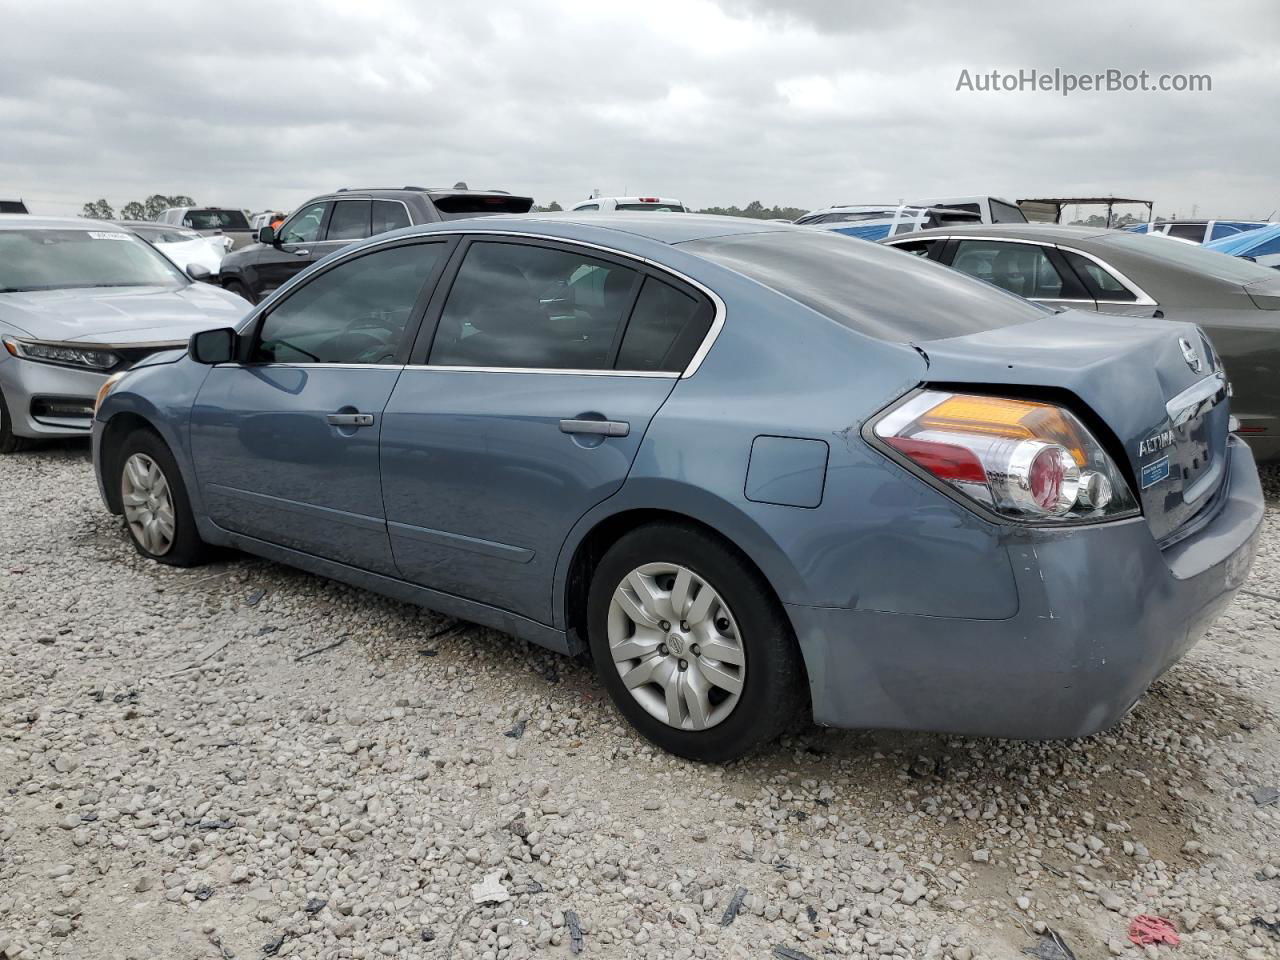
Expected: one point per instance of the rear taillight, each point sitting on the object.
(1028, 461)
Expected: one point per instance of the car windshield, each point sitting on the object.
(61, 259)
(1190, 255)
(872, 289)
(215, 220)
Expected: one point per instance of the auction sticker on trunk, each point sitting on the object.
(1153, 473)
(98, 235)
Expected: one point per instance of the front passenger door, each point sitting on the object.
(285, 442)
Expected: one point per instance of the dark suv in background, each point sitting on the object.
(329, 222)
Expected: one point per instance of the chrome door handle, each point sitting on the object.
(301, 253)
(350, 419)
(604, 428)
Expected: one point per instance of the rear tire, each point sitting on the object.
(10, 442)
(713, 686)
(240, 290)
(153, 498)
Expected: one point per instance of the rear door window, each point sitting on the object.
(1021, 268)
(531, 306)
(350, 220)
(665, 330)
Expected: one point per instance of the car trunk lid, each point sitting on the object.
(1153, 384)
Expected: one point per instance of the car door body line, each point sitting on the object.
(330, 514)
(490, 548)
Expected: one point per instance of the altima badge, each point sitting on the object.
(1189, 354)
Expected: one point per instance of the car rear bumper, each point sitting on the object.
(1102, 613)
(44, 399)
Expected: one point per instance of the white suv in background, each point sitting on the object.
(662, 204)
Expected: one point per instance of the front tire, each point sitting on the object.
(692, 644)
(10, 442)
(240, 290)
(153, 498)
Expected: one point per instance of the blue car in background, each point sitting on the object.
(876, 222)
(1197, 231)
(1261, 246)
(757, 471)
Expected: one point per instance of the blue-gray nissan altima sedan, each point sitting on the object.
(754, 469)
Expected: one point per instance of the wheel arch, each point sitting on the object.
(605, 525)
(114, 430)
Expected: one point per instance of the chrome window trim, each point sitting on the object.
(654, 374)
(717, 322)
(1143, 298)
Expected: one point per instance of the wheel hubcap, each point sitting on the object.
(148, 503)
(676, 646)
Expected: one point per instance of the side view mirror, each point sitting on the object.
(198, 271)
(213, 346)
(266, 235)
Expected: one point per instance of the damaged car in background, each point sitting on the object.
(758, 471)
(80, 301)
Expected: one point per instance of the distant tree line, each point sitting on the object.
(1100, 220)
(756, 210)
(552, 207)
(147, 209)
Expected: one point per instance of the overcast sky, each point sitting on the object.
(804, 103)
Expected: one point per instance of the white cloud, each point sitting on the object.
(801, 103)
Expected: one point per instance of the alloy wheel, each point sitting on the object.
(676, 646)
(148, 504)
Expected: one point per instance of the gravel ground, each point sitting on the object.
(186, 772)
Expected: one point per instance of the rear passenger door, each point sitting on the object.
(524, 408)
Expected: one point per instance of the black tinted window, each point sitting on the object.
(869, 288)
(1187, 231)
(350, 220)
(215, 220)
(353, 313)
(389, 215)
(1103, 284)
(665, 330)
(1021, 268)
(453, 206)
(518, 305)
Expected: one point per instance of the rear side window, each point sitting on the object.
(534, 307)
(350, 220)
(869, 288)
(588, 206)
(1105, 286)
(1187, 231)
(456, 205)
(356, 312)
(665, 330)
(1006, 213)
(388, 215)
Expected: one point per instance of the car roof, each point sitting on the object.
(647, 198)
(25, 221)
(1240, 243)
(660, 227)
(1016, 231)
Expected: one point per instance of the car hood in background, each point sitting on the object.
(121, 314)
(206, 251)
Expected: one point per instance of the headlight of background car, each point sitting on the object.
(62, 354)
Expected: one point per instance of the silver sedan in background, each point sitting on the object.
(79, 301)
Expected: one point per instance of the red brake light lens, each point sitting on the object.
(1022, 459)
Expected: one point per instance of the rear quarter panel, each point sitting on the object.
(880, 538)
